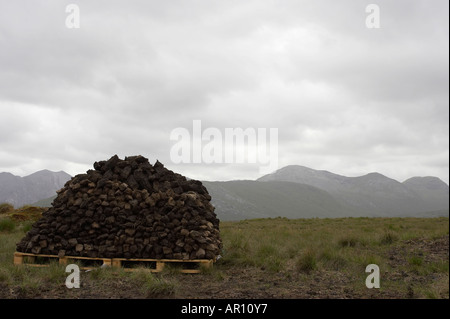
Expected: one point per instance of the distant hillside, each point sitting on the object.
(46, 202)
(372, 194)
(431, 190)
(236, 200)
(301, 192)
(20, 191)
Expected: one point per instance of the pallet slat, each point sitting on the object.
(157, 265)
(20, 259)
(153, 265)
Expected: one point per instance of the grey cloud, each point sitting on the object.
(344, 98)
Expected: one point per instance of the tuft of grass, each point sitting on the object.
(161, 286)
(7, 224)
(140, 276)
(307, 261)
(268, 257)
(5, 276)
(239, 243)
(388, 238)
(98, 274)
(153, 285)
(213, 272)
(415, 261)
(31, 285)
(439, 267)
(361, 260)
(349, 241)
(333, 259)
(55, 273)
(439, 289)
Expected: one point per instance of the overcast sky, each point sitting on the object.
(344, 98)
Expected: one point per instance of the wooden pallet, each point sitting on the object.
(154, 265)
(192, 266)
(38, 260)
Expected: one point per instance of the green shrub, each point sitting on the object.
(7, 224)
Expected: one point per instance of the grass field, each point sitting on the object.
(266, 258)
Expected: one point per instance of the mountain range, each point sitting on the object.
(20, 191)
(293, 191)
(373, 194)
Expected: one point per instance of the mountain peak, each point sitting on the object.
(47, 172)
(293, 172)
(304, 175)
(375, 175)
(427, 182)
(20, 191)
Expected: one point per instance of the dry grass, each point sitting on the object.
(307, 252)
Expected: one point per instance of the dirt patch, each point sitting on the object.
(257, 284)
(418, 263)
(427, 250)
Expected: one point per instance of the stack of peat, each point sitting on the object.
(128, 209)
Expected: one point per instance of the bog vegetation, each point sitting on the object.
(268, 258)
